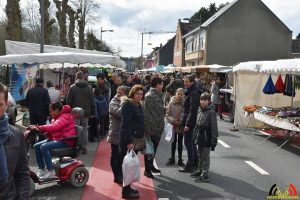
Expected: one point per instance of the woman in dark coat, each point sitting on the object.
(132, 127)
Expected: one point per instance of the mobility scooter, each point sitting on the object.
(66, 166)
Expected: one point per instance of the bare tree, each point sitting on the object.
(72, 14)
(48, 22)
(31, 22)
(86, 14)
(14, 20)
(61, 15)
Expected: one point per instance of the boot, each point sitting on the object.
(180, 162)
(189, 168)
(148, 174)
(170, 162)
(128, 194)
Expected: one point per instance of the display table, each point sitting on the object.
(276, 122)
(289, 129)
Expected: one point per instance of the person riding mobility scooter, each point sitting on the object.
(64, 143)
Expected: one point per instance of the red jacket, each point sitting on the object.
(61, 127)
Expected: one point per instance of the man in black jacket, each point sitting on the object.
(81, 95)
(189, 118)
(38, 101)
(14, 172)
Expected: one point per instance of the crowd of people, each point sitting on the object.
(123, 109)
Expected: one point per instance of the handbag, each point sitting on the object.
(138, 144)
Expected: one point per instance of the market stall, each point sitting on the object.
(268, 93)
(250, 78)
(25, 66)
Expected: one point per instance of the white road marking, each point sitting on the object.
(223, 144)
(257, 168)
(163, 199)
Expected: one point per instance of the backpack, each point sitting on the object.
(102, 107)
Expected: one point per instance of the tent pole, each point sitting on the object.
(293, 88)
(234, 129)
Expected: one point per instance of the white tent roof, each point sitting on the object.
(16, 47)
(62, 57)
(278, 66)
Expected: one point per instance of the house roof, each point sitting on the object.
(295, 46)
(218, 14)
(227, 7)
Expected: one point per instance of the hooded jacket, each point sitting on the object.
(206, 127)
(81, 95)
(61, 127)
(132, 125)
(173, 114)
(115, 121)
(154, 113)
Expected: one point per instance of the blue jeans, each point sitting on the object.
(191, 148)
(42, 152)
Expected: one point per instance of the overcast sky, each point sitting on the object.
(128, 18)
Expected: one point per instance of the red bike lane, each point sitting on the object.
(101, 185)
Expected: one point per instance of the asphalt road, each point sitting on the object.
(230, 176)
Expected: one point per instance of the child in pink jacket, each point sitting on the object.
(62, 125)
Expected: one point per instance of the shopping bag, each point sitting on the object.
(131, 168)
(168, 131)
(149, 150)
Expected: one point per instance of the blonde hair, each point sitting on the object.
(179, 90)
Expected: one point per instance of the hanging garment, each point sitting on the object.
(289, 89)
(269, 87)
(279, 85)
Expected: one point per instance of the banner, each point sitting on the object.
(21, 80)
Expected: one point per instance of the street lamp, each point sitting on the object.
(101, 31)
(188, 19)
(42, 6)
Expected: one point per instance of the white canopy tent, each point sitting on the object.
(61, 57)
(249, 81)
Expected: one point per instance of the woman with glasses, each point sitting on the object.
(132, 128)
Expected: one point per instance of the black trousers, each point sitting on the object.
(116, 161)
(93, 130)
(178, 137)
(147, 159)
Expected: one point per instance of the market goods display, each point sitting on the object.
(250, 109)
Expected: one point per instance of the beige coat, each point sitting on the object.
(174, 111)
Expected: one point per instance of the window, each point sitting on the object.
(189, 46)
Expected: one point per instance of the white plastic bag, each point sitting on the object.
(168, 131)
(149, 150)
(131, 168)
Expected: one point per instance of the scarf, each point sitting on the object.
(4, 134)
(189, 90)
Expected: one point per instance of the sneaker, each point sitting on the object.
(170, 162)
(196, 174)
(180, 163)
(41, 172)
(187, 169)
(49, 175)
(202, 178)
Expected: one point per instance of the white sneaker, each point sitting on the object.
(49, 175)
(41, 172)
